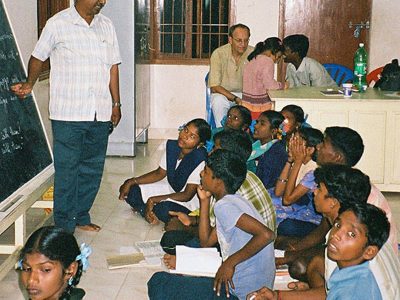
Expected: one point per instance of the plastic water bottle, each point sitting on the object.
(360, 68)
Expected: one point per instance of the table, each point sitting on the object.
(375, 115)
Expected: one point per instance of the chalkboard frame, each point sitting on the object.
(10, 202)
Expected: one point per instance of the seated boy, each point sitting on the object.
(356, 237)
(302, 70)
(246, 243)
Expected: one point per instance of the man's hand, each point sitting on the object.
(224, 275)
(238, 101)
(115, 115)
(22, 89)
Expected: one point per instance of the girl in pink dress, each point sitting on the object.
(258, 76)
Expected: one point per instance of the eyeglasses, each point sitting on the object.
(240, 41)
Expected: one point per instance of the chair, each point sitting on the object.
(374, 76)
(339, 73)
(209, 114)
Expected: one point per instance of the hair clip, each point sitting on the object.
(305, 124)
(282, 127)
(180, 128)
(251, 127)
(19, 264)
(86, 250)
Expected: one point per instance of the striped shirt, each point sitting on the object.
(81, 57)
(253, 190)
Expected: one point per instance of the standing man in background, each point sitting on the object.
(226, 71)
(84, 93)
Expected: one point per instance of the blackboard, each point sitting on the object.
(24, 151)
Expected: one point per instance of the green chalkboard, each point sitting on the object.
(24, 150)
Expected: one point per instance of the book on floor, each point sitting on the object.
(197, 261)
(123, 261)
(150, 255)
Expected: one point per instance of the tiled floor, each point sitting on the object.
(120, 228)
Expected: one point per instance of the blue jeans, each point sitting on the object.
(167, 286)
(79, 153)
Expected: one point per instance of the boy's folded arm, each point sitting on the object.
(262, 236)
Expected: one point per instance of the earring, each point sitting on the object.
(71, 280)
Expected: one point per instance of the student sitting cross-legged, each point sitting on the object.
(358, 233)
(181, 165)
(246, 243)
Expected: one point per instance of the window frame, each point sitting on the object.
(157, 57)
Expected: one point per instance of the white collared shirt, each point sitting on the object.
(81, 56)
(309, 73)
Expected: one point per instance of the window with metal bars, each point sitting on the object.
(189, 29)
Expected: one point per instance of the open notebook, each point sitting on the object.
(197, 261)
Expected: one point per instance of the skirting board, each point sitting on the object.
(121, 149)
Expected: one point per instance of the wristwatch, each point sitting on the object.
(116, 104)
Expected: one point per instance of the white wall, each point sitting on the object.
(385, 32)
(178, 92)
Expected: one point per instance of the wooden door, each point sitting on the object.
(47, 9)
(326, 23)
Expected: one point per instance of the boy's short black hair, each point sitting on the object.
(297, 43)
(348, 142)
(376, 221)
(348, 185)
(203, 129)
(244, 112)
(236, 141)
(228, 167)
(312, 137)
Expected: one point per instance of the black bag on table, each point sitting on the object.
(390, 77)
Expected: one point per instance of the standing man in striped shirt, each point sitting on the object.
(84, 97)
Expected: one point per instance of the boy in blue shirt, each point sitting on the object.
(356, 237)
(246, 243)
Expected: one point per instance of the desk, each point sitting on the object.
(373, 114)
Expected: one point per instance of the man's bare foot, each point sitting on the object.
(170, 261)
(298, 285)
(89, 227)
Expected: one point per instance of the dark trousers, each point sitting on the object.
(291, 227)
(161, 210)
(79, 153)
(167, 286)
(171, 239)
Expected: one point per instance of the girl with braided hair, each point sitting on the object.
(51, 265)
